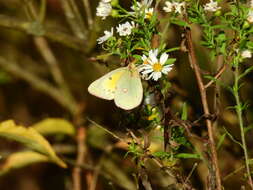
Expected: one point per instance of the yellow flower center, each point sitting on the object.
(157, 67)
(148, 15)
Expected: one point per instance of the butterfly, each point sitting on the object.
(123, 85)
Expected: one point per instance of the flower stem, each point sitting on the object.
(239, 115)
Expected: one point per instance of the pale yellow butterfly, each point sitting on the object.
(122, 84)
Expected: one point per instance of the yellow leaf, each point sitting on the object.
(54, 126)
(22, 159)
(30, 138)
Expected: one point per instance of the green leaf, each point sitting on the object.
(52, 126)
(184, 112)
(22, 159)
(187, 155)
(30, 138)
(170, 61)
(180, 23)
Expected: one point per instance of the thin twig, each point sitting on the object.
(191, 172)
(38, 84)
(233, 173)
(53, 64)
(218, 74)
(106, 130)
(74, 18)
(81, 152)
(51, 33)
(202, 90)
(87, 8)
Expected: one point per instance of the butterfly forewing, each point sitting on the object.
(105, 87)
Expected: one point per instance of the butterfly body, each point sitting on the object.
(123, 85)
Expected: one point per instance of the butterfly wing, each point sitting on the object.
(129, 91)
(105, 87)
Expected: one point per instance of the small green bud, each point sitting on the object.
(246, 25)
(114, 13)
(217, 13)
(114, 3)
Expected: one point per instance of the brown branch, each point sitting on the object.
(81, 152)
(51, 33)
(39, 84)
(202, 89)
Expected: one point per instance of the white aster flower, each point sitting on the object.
(174, 7)
(250, 16)
(212, 6)
(149, 13)
(104, 9)
(107, 35)
(156, 67)
(168, 7)
(179, 7)
(125, 29)
(246, 54)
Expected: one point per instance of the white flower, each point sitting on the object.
(104, 9)
(107, 35)
(106, 1)
(168, 7)
(212, 6)
(146, 60)
(174, 6)
(125, 29)
(149, 13)
(250, 16)
(155, 67)
(179, 7)
(246, 54)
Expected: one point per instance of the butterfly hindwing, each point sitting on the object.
(105, 87)
(129, 91)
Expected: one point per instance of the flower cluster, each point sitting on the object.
(124, 29)
(212, 6)
(153, 67)
(104, 9)
(174, 7)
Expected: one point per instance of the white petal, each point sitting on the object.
(163, 58)
(153, 58)
(157, 75)
(147, 71)
(166, 70)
